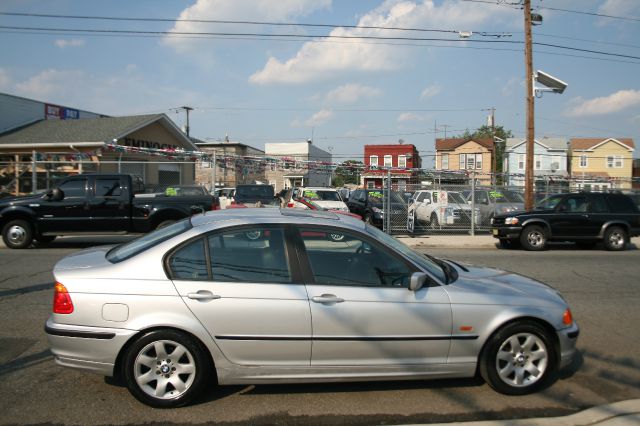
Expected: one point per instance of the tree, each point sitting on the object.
(347, 172)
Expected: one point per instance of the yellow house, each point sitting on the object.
(600, 164)
(468, 155)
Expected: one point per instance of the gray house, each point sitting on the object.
(549, 163)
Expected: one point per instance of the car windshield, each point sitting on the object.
(506, 196)
(424, 262)
(455, 197)
(317, 194)
(549, 203)
(127, 250)
(377, 197)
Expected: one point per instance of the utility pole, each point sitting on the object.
(494, 159)
(187, 109)
(528, 59)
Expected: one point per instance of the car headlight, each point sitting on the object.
(511, 221)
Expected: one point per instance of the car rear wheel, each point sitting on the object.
(615, 238)
(165, 368)
(519, 359)
(534, 238)
(17, 234)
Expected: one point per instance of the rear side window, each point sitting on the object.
(251, 255)
(108, 188)
(189, 262)
(620, 203)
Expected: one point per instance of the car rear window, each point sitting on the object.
(134, 247)
(620, 203)
(257, 191)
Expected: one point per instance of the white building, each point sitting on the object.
(302, 165)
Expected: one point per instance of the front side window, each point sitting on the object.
(343, 258)
(252, 255)
(577, 204)
(74, 188)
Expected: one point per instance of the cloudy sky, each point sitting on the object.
(348, 73)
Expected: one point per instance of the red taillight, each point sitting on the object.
(62, 303)
(291, 205)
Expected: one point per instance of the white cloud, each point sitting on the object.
(410, 116)
(604, 105)
(351, 93)
(236, 10)
(317, 119)
(627, 8)
(62, 43)
(321, 60)
(430, 91)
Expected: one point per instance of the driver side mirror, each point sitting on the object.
(417, 280)
(55, 194)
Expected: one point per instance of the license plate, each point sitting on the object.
(495, 231)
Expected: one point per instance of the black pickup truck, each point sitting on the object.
(583, 218)
(93, 204)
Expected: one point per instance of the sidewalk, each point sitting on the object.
(623, 413)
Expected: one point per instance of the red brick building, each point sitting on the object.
(403, 160)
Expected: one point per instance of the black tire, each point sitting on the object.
(165, 223)
(45, 239)
(17, 234)
(179, 388)
(615, 238)
(433, 221)
(533, 238)
(519, 352)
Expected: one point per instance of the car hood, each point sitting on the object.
(330, 204)
(21, 201)
(88, 258)
(478, 284)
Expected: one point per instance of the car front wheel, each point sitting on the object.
(17, 234)
(534, 238)
(519, 359)
(165, 369)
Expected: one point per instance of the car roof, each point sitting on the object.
(274, 215)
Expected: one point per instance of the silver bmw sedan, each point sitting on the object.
(251, 296)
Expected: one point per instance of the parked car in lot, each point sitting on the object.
(180, 190)
(93, 204)
(369, 204)
(255, 195)
(492, 202)
(204, 300)
(327, 198)
(583, 218)
(441, 208)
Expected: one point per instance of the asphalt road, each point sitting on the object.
(603, 289)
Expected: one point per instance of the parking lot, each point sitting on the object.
(601, 287)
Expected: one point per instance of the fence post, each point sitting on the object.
(473, 203)
(34, 173)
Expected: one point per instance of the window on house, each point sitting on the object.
(402, 161)
(444, 162)
(471, 161)
(371, 185)
(583, 160)
(463, 160)
(520, 161)
(373, 160)
(614, 161)
(387, 161)
(538, 162)
(478, 161)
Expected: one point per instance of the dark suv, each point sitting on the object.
(583, 218)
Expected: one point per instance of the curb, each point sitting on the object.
(623, 413)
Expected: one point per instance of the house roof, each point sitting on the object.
(453, 143)
(86, 131)
(553, 144)
(581, 144)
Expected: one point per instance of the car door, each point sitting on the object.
(423, 206)
(72, 212)
(362, 311)
(241, 284)
(571, 217)
(110, 204)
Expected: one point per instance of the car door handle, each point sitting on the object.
(203, 295)
(327, 298)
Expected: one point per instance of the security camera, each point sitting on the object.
(554, 84)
